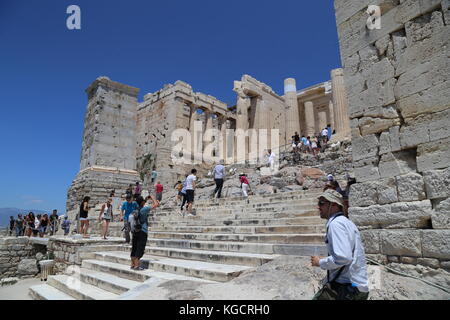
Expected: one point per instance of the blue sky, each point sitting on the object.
(45, 69)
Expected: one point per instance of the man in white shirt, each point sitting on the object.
(219, 174)
(346, 264)
(190, 187)
(271, 159)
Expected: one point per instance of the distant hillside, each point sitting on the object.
(5, 213)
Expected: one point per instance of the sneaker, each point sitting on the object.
(132, 268)
(139, 269)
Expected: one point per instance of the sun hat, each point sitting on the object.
(332, 196)
(330, 177)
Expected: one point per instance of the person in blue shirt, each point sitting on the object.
(330, 132)
(127, 207)
(140, 238)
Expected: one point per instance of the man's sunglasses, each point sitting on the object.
(321, 203)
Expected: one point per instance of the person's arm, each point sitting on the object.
(85, 206)
(155, 203)
(101, 211)
(341, 253)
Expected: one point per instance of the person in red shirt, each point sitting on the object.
(244, 184)
(159, 190)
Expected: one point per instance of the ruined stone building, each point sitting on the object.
(124, 139)
(397, 80)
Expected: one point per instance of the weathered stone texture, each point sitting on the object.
(398, 85)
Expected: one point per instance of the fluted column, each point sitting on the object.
(243, 102)
(331, 115)
(292, 114)
(309, 118)
(340, 102)
(322, 120)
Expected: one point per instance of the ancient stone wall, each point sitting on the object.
(398, 86)
(12, 251)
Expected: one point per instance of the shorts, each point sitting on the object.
(42, 229)
(107, 219)
(138, 243)
(159, 196)
(190, 196)
(181, 194)
(83, 219)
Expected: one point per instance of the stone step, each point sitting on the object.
(236, 258)
(300, 249)
(237, 206)
(124, 271)
(47, 292)
(199, 269)
(264, 238)
(294, 195)
(79, 290)
(192, 221)
(106, 281)
(287, 229)
(244, 209)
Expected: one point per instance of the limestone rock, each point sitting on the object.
(410, 187)
(435, 244)
(440, 217)
(401, 243)
(27, 267)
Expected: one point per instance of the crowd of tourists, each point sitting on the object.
(39, 225)
(312, 145)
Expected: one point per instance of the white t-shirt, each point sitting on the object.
(272, 157)
(313, 144)
(190, 182)
(325, 132)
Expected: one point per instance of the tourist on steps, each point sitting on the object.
(183, 194)
(159, 190)
(65, 225)
(178, 186)
(105, 217)
(244, 184)
(11, 225)
(83, 217)
(219, 175)
(139, 239)
(44, 222)
(137, 190)
(18, 225)
(346, 264)
(54, 222)
(128, 206)
(190, 187)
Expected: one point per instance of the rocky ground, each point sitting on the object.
(308, 172)
(293, 278)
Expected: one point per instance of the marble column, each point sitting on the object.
(322, 120)
(340, 103)
(243, 103)
(309, 118)
(331, 114)
(292, 114)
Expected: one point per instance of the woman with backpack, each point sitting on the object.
(139, 228)
(84, 222)
(106, 215)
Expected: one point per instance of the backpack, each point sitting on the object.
(135, 222)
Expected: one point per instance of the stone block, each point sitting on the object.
(393, 216)
(401, 243)
(363, 195)
(433, 155)
(377, 95)
(365, 147)
(440, 217)
(445, 265)
(439, 125)
(393, 259)
(370, 125)
(371, 241)
(366, 169)
(437, 183)
(410, 187)
(436, 244)
(385, 143)
(428, 262)
(386, 191)
(408, 260)
(397, 163)
(27, 267)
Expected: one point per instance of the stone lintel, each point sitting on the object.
(108, 83)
